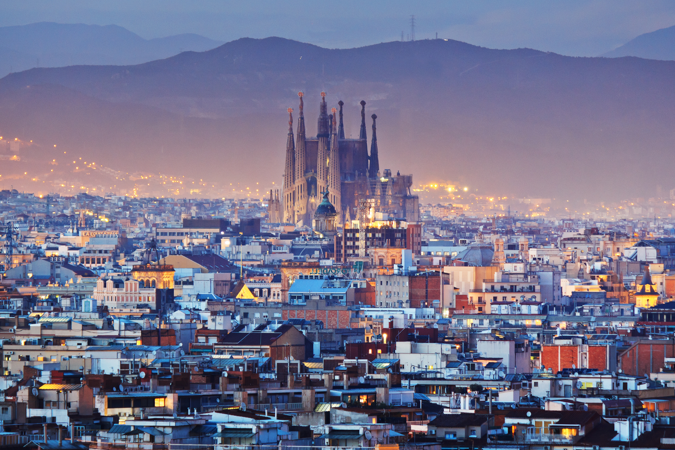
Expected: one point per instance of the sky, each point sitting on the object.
(570, 27)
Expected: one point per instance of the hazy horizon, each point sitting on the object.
(573, 28)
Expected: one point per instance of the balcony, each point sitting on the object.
(547, 438)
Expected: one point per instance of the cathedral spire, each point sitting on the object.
(362, 135)
(334, 176)
(300, 143)
(374, 158)
(341, 125)
(322, 128)
(289, 172)
(323, 151)
(300, 191)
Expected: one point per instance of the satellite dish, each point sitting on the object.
(142, 374)
(579, 384)
(121, 388)
(501, 374)
(224, 373)
(560, 384)
(362, 380)
(576, 374)
(182, 353)
(154, 352)
(35, 391)
(114, 389)
(368, 435)
(196, 369)
(529, 414)
(585, 407)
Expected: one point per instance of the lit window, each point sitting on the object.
(159, 402)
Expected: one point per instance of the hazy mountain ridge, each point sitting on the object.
(48, 44)
(522, 121)
(659, 45)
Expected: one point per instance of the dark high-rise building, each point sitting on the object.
(342, 167)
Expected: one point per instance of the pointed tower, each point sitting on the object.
(646, 295)
(323, 135)
(374, 168)
(289, 171)
(341, 125)
(300, 166)
(362, 134)
(334, 176)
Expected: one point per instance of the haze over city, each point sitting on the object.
(476, 112)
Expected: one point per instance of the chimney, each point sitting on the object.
(72, 433)
(60, 436)
(44, 426)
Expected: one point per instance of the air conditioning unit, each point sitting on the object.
(10, 353)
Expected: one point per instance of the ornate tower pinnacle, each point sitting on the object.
(362, 134)
(374, 158)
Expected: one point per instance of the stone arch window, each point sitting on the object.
(141, 284)
(153, 283)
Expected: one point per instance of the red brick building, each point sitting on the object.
(581, 356)
(646, 356)
(424, 288)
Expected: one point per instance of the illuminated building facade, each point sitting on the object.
(392, 236)
(154, 276)
(342, 167)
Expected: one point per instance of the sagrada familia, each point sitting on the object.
(341, 167)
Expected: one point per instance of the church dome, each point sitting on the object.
(325, 208)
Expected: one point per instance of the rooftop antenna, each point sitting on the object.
(412, 27)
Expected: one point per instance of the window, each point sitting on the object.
(472, 433)
(451, 435)
(159, 402)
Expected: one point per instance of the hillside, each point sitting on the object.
(48, 44)
(503, 121)
(659, 44)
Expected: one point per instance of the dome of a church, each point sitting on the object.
(325, 208)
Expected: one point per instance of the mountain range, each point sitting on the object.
(48, 44)
(522, 122)
(659, 44)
